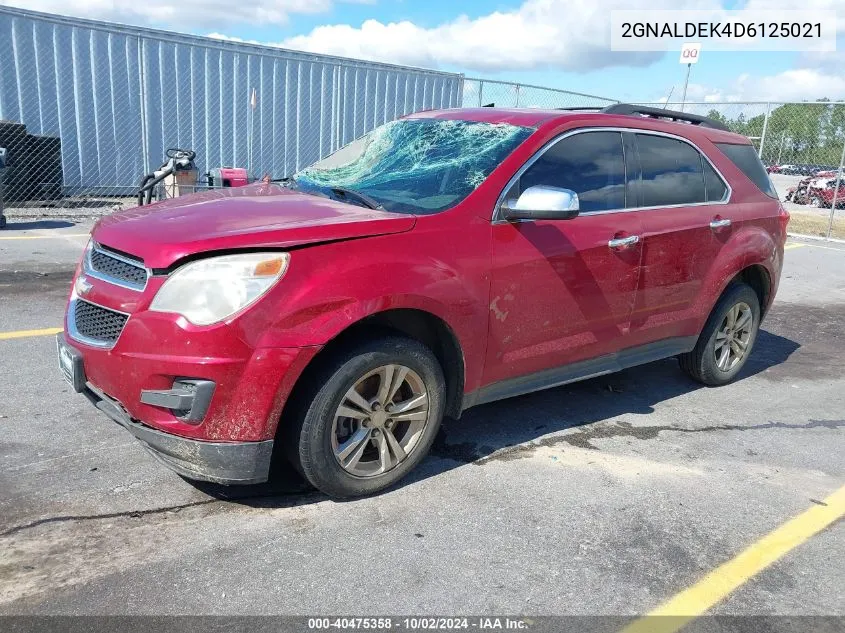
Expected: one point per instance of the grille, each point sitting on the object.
(97, 323)
(107, 264)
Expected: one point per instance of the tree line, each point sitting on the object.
(811, 132)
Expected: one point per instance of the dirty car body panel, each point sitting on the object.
(530, 304)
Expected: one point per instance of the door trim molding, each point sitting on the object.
(497, 217)
(582, 370)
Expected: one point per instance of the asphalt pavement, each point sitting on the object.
(606, 497)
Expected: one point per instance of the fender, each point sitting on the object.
(745, 247)
(331, 328)
(331, 287)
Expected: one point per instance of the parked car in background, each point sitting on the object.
(789, 170)
(820, 170)
(773, 169)
(815, 189)
(442, 261)
(800, 193)
(820, 192)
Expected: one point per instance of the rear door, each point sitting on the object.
(563, 290)
(685, 221)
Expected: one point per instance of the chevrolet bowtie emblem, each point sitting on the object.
(82, 286)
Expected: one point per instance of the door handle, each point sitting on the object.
(719, 223)
(623, 242)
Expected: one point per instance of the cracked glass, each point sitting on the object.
(418, 166)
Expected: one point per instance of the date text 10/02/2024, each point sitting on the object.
(419, 623)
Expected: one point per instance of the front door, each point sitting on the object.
(563, 290)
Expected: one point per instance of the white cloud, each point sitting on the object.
(832, 62)
(181, 14)
(803, 5)
(537, 35)
(797, 84)
(540, 34)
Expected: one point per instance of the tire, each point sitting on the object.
(702, 363)
(321, 432)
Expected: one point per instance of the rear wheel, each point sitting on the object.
(727, 338)
(372, 420)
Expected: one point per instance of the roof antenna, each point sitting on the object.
(665, 105)
(489, 105)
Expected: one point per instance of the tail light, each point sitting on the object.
(783, 216)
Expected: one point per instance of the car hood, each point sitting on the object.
(256, 216)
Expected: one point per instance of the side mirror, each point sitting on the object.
(542, 203)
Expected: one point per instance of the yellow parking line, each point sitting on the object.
(42, 237)
(812, 245)
(27, 333)
(719, 583)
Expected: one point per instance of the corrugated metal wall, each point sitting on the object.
(119, 96)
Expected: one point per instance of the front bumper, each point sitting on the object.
(232, 443)
(219, 462)
(156, 355)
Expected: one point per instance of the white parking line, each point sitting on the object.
(43, 237)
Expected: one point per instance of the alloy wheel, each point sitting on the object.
(734, 336)
(380, 421)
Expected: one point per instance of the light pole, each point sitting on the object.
(686, 83)
(834, 202)
(689, 56)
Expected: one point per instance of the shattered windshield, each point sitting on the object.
(416, 165)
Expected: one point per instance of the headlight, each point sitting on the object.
(210, 290)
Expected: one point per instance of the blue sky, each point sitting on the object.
(556, 43)
(618, 82)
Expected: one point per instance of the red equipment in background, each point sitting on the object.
(228, 177)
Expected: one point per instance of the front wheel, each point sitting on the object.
(727, 338)
(373, 419)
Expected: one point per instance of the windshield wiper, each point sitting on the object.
(287, 181)
(357, 196)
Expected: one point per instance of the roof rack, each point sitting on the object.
(660, 113)
(581, 108)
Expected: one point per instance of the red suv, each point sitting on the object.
(444, 260)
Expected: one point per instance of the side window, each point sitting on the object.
(590, 163)
(745, 157)
(671, 172)
(714, 186)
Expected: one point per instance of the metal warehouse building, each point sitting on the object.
(105, 101)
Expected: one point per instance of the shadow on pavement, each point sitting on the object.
(494, 428)
(12, 225)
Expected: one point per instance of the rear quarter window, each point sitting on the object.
(746, 159)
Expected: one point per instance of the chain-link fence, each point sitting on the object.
(802, 144)
(803, 148)
(502, 94)
(88, 108)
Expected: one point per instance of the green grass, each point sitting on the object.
(816, 225)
